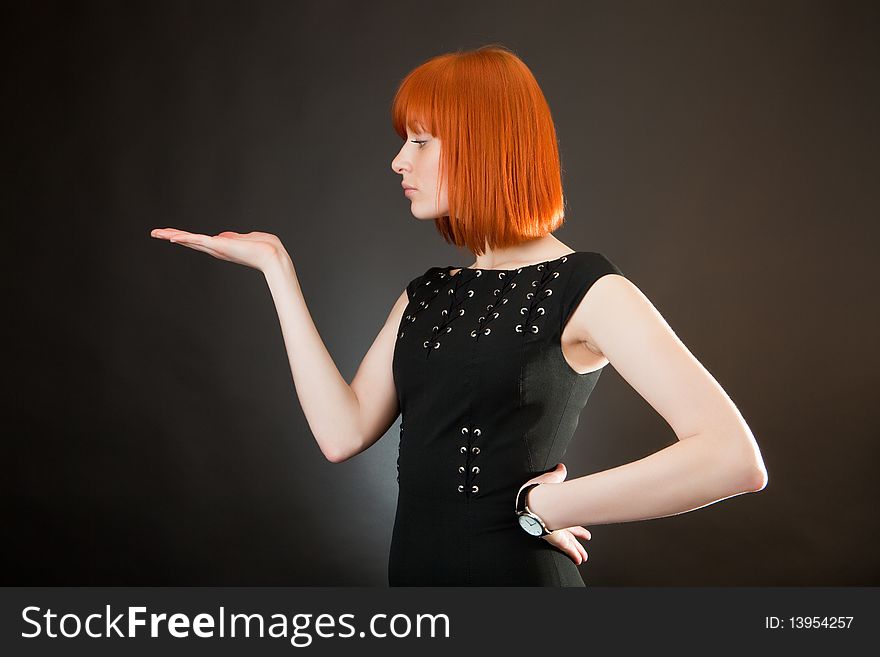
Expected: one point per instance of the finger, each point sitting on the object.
(167, 232)
(580, 532)
(566, 544)
(195, 238)
(578, 550)
(172, 234)
(200, 247)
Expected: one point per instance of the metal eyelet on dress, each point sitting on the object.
(496, 292)
(460, 488)
(503, 301)
(460, 312)
(540, 267)
(463, 449)
(495, 315)
(461, 469)
(436, 328)
(475, 488)
(556, 274)
(450, 291)
(479, 273)
(464, 430)
(519, 271)
(477, 432)
(448, 329)
(437, 344)
(534, 329)
(475, 469)
(519, 328)
(422, 303)
(548, 291)
(401, 335)
(481, 319)
(444, 312)
(530, 295)
(534, 283)
(474, 333)
(470, 293)
(425, 344)
(523, 310)
(541, 311)
(486, 332)
(475, 450)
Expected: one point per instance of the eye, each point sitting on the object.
(419, 141)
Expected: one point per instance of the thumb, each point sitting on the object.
(555, 475)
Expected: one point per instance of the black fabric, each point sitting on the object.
(488, 401)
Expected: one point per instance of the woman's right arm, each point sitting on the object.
(344, 419)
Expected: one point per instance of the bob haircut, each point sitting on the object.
(498, 145)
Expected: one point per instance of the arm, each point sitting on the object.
(716, 455)
(345, 420)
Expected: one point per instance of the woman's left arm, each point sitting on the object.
(716, 455)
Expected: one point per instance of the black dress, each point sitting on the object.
(488, 401)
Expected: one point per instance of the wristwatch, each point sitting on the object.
(530, 522)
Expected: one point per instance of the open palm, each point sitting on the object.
(254, 249)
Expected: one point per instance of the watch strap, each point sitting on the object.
(521, 497)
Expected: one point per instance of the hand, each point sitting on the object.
(563, 539)
(256, 250)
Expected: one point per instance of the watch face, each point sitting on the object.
(531, 525)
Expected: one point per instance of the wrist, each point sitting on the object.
(278, 265)
(539, 504)
(526, 516)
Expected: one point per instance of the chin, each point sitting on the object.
(423, 215)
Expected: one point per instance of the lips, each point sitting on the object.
(406, 187)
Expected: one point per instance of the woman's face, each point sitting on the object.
(418, 162)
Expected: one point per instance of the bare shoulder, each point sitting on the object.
(611, 302)
(397, 309)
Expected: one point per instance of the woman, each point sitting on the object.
(491, 364)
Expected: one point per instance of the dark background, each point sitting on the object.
(722, 154)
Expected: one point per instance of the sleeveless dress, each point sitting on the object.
(488, 402)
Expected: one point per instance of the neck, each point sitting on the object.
(537, 250)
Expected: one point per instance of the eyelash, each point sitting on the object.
(420, 142)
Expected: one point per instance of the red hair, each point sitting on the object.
(499, 151)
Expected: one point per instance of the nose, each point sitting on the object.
(399, 164)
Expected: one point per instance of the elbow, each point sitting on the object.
(339, 453)
(750, 473)
(336, 456)
(753, 477)
(759, 479)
